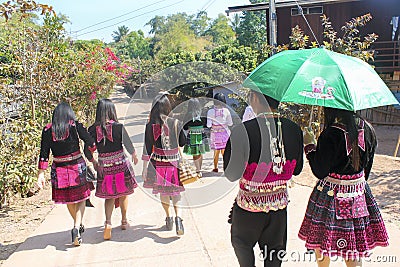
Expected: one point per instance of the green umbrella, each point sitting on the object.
(320, 77)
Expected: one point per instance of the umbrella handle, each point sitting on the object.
(311, 117)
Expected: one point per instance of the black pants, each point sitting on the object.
(269, 230)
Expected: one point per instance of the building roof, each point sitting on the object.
(282, 3)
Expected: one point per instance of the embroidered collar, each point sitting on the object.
(361, 139)
(219, 112)
(157, 130)
(100, 134)
(49, 125)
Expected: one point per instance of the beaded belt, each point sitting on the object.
(196, 130)
(111, 159)
(344, 182)
(218, 128)
(343, 188)
(67, 158)
(111, 156)
(165, 155)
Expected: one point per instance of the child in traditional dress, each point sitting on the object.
(68, 170)
(115, 176)
(197, 141)
(219, 119)
(342, 217)
(163, 137)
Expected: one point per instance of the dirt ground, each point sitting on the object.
(23, 216)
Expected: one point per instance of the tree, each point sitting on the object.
(156, 24)
(241, 58)
(235, 23)
(252, 30)
(133, 45)
(39, 67)
(120, 33)
(199, 23)
(220, 31)
(175, 35)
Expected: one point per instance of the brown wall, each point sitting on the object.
(339, 13)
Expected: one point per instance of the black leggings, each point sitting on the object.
(269, 230)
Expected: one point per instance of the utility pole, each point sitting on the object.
(273, 25)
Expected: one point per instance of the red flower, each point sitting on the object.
(93, 96)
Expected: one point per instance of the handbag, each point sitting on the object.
(187, 172)
(90, 174)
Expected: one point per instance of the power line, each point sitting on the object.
(208, 6)
(114, 18)
(204, 7)
(151, 11)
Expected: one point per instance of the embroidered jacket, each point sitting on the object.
(116, 136)
(248, 158)
(155, 148)
(332, 154)
(67, 146)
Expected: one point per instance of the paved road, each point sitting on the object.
(206, 241)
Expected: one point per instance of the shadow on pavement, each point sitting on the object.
(62, 240)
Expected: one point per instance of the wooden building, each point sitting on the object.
(339, 12)
(386, 49)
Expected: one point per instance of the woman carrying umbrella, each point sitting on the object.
(342, 217)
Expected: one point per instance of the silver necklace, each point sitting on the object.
(277, 147)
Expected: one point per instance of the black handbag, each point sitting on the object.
(90, 175)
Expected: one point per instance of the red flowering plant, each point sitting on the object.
(97, 71)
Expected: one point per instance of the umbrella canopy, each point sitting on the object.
(320, 77)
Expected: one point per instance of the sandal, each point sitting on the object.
(215, 170)
(169, 223)
(107, 230)
(179, 226)
(124, 224)
(76, 238)
(81, 229)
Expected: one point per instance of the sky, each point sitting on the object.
(132, 13)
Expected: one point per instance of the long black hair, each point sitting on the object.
(60, 122)
(105, 112)
(219, 97)
(161, 106)
(349, 120)
(194, 109)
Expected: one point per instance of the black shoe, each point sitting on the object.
(89, 204)
(81, 229)
(76, 238)
(179, 226)
(169, 223)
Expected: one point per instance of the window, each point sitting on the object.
(315, 10)
(307, 10)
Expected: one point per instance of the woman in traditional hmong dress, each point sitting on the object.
(68, 170)
(263, 160)
(115, 176)
(219, 119)
(197, 141)
(163, 137)
(342, 217)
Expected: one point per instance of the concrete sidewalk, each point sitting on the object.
(146, 243)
